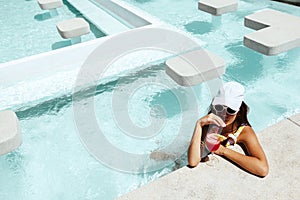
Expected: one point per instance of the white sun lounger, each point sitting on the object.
(10, 132)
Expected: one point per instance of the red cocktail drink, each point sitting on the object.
(212, 142)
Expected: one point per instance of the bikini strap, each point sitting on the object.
(236, 134)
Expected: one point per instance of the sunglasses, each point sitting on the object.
(221, 108)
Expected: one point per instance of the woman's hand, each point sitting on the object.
(220, 151)
(194, 152)
(254, 160)
(211, 119)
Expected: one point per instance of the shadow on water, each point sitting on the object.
(248, 66)
(42, 16)
(61, 44)
(198, 27)
(94, 30)
(168, 101)
(251, 65)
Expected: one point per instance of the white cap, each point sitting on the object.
(231, 94)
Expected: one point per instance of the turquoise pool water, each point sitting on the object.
(53, 164)
(27, 30)
(271, 82)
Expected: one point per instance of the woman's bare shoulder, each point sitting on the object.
(247, 135)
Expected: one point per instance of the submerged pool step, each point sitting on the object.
(101, 19)
(10, 132)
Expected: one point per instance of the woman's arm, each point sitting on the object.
(255, 161)
(194, 154)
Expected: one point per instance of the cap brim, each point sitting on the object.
(229, 102)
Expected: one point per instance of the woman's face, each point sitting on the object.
(229, 119)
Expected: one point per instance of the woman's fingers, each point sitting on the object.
(219, 121)
(212, 119)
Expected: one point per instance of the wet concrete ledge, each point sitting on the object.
(226, 181)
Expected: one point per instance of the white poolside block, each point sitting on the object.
(72, 28)
(195, 67)
(10, 132)
(50, 4)
(277, 32)
(218, 7)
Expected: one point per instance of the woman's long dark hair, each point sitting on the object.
(241, 118)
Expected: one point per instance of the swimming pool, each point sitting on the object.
(27, 30)
(53, 164)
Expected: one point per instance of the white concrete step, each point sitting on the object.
(277, 32)
(73, 28)
(218, 7)
(50, 4)
(195, 67)
(10, 132)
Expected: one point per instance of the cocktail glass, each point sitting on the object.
(212, 144)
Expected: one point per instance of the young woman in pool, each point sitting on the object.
(234, 125)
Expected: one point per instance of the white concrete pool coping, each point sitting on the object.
(105, 21)
(226, 181)
(60, 60)
(10, 132)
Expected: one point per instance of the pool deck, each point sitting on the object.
(226, 181)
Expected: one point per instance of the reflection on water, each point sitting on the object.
(248, 66)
